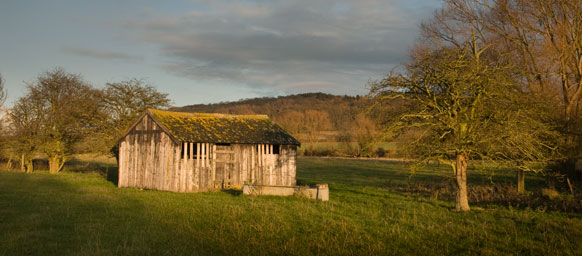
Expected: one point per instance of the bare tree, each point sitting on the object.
(540, 39)
(466, 109)
(366, 133)
(3, 93)
(124, 101)
(291, 121)
(314, 122)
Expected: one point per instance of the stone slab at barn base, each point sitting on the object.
(318, 192)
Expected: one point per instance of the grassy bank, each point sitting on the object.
(375, 207)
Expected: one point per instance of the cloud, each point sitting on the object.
(285, 45)
(100, 54)
(309, 84)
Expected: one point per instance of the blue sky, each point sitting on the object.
(210, 51)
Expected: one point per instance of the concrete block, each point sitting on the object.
(318, 192)
(322, 192)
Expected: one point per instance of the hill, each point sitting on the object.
(340, 110)
(320, 121)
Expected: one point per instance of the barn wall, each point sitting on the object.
(256, 164)
(146, 157)
(150, 159)
(217, 166)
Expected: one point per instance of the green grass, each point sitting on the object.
(373, 210)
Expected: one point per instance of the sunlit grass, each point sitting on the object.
(368, 213)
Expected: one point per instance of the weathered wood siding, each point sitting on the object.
(147, 157)
(150, 159)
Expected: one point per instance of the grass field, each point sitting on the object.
(375, 208)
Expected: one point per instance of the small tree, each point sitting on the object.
(314, 122)
(366, 134)
(466, 109)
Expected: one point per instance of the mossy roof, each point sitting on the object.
(222, 128)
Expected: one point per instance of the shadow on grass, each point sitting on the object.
(51, 214)
(107, 170)
(71, 214)
(233, 192)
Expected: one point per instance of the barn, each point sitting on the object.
(190, 152)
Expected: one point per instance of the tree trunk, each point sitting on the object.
(9, 163)
(521, 181)
(462, 201)
(29, 166)
(22, 167)
(26, 164)
(568, 117)
(56, 164)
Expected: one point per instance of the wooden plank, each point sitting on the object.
(167, 163)
(190, 179)
(253, 161)
(163, 162)
(183, 167)
(130, 159)
(259, 166)
(150, 168)
(226, 161)
(135, 161)
(120, 164)
(145, 147)
(197, 168)
(207, 155)
(150, 158)
(214, 164)
(243, 163)
(224, 151)
(203, 154)
(176, 169)
(198, 154)
(142, 151)
(271, 174)
(139, 171)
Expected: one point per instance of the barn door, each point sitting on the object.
(224, 166)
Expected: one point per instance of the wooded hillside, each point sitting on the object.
(317, 119)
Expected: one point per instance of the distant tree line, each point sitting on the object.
(61, 114)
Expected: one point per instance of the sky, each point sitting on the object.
(203, 52)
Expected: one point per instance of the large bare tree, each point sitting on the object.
(541, 38)
(125, 101)
(465, 108)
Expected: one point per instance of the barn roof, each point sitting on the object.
(222, 128)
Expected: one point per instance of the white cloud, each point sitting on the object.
(101, 54)
(286, 45)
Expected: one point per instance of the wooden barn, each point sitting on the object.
(189, 152)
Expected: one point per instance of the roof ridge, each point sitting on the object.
(202, 115)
